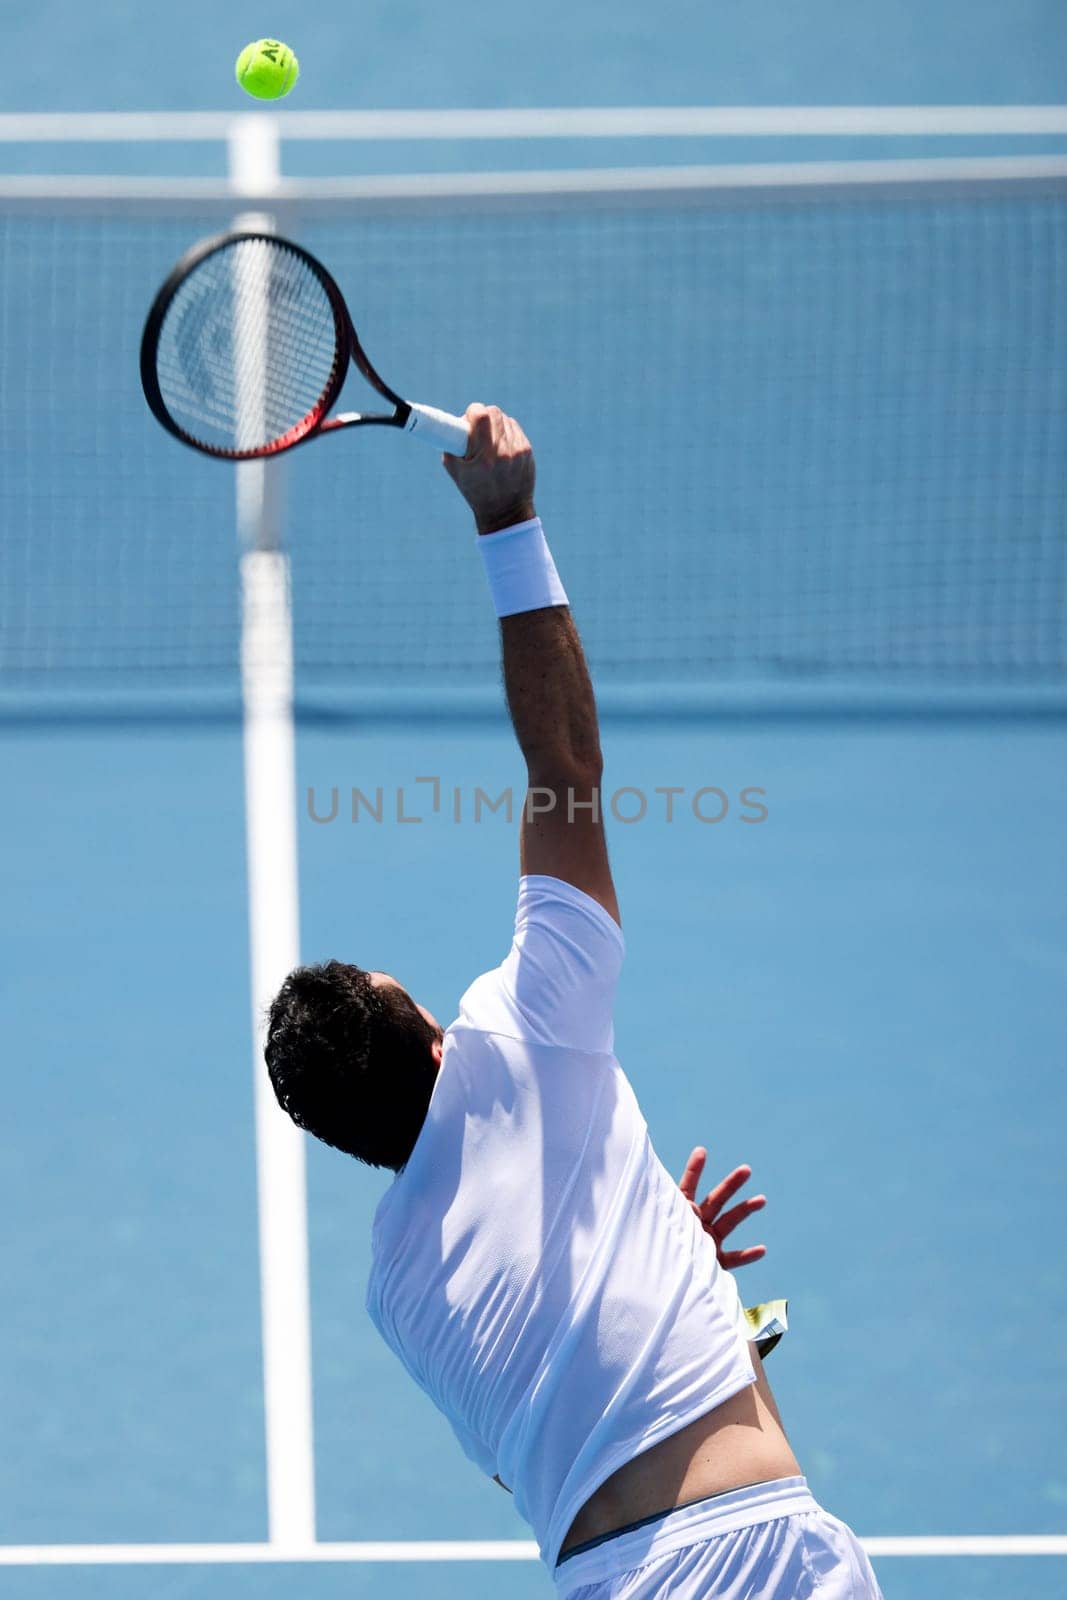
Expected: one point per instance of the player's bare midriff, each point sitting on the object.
(741, 1442)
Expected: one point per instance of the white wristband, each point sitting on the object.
(522, 574)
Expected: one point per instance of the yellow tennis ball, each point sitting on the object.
(267, 69)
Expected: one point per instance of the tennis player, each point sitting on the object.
(534, 1267)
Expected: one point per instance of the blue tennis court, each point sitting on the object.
(832, 651)
(861, 1001)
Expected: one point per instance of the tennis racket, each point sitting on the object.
(246, 349)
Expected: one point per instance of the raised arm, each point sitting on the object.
(549, 692)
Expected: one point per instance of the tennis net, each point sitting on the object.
(793, 436)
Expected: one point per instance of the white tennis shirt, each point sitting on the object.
(534, 1266)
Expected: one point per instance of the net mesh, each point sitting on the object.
(791, 442)
(248, 346)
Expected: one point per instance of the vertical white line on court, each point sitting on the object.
(273, 896)
(266, 665)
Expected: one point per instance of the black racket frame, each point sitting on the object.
(348, 349)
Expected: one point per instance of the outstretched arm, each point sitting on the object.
(549, 692)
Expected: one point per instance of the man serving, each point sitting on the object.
(534, 1267)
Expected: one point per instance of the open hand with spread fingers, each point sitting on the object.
(714, 1219)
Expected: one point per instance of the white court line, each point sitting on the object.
(560, 122)
(274, 910)
(266, 650)
(92, 1555)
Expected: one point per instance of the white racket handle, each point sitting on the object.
(439, 429)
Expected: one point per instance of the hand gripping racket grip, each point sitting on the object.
(439, 429)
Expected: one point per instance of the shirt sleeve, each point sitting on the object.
(557, 984)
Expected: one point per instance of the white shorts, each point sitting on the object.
(768, 1542)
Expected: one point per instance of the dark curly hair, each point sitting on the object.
(351, 1062)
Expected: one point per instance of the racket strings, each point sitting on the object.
(248, 347)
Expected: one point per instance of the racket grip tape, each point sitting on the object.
(439, 429)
